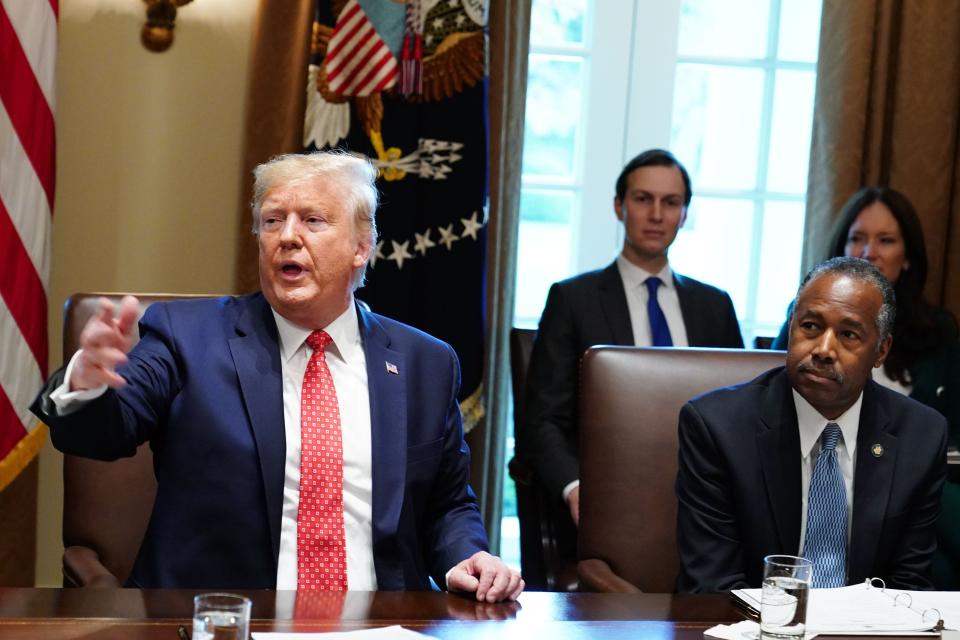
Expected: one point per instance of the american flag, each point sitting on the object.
(358, 62)
(28, 43)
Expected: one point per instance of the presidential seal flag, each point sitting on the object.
(404, 83)
(28, 39)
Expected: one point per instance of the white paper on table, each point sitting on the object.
(394, 632)
(864, 610)
(743, 630)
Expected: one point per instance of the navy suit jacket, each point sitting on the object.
(204, 388)
(587, 310)
(738, 486)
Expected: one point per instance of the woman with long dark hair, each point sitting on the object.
(879, 224)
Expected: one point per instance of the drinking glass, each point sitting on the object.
(783, 601)
(221, 616)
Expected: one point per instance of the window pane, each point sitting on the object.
(712, 246)
(716, 124)
(557, 22)
(716, 28)
(799, 37)
(779, 263)
(543, 258)
(545, 205)
(552, 115)
(790, 133)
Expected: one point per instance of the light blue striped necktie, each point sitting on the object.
(825, 543)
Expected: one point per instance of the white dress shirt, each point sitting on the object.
(811, 425)
(634, 285)
(348, 366)
(880, 377)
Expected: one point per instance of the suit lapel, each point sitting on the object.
(778, 441)
(613, 303)
(691, 312)
(387, 384)
(873, 476)
(256, 355)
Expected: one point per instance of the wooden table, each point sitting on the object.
(105, 614)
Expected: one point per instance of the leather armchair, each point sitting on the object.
(630, 400)
(106, 505)
(547, 534)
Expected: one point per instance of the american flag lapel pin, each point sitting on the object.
(392, 368)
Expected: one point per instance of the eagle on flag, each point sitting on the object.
(404, 84)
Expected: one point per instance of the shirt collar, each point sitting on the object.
(344, 331)
(811, 425)
(633, 276)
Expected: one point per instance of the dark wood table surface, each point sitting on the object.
(106, 614)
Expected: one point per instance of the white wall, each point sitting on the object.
(148, 171)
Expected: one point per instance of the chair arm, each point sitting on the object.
(82, 568)
(596, 575)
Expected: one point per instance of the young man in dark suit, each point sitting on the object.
(637, 300)
(814, 458)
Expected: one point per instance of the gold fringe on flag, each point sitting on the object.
(472, 409)
(21, 455)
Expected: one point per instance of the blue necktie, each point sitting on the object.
(659, 331)
(825, 543)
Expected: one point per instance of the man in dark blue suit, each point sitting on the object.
(814, 459)
(216, 386)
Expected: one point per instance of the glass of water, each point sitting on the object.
(221, 616)
(783, 601)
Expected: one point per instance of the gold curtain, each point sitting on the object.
(509, 39)
(276, 97)
(888, 112)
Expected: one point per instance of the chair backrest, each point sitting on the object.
(630, 400)
(547, 537)
(106, 505)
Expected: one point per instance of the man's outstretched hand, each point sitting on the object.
(104, 343)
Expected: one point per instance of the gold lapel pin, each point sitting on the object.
(877, 450)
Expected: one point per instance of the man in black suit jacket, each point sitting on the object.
(748, 453)
(609, 306)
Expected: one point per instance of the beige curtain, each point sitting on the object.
(509, 38)
(888, 112)
(275, 104)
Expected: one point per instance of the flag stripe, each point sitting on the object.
(23, 196)
(367, 49)
(23, 293)
(388, 80)
(385, 64)
(35, 24)
(357, 53)
(19, 374)
(26, 106)
(351, 13)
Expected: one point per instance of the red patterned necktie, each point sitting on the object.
(321, 541)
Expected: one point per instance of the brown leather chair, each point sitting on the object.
(106, 505)
(547, 535)
(630, 400)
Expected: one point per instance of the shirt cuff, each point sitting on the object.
(567, 490)
(65, 401)
(446, 578)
